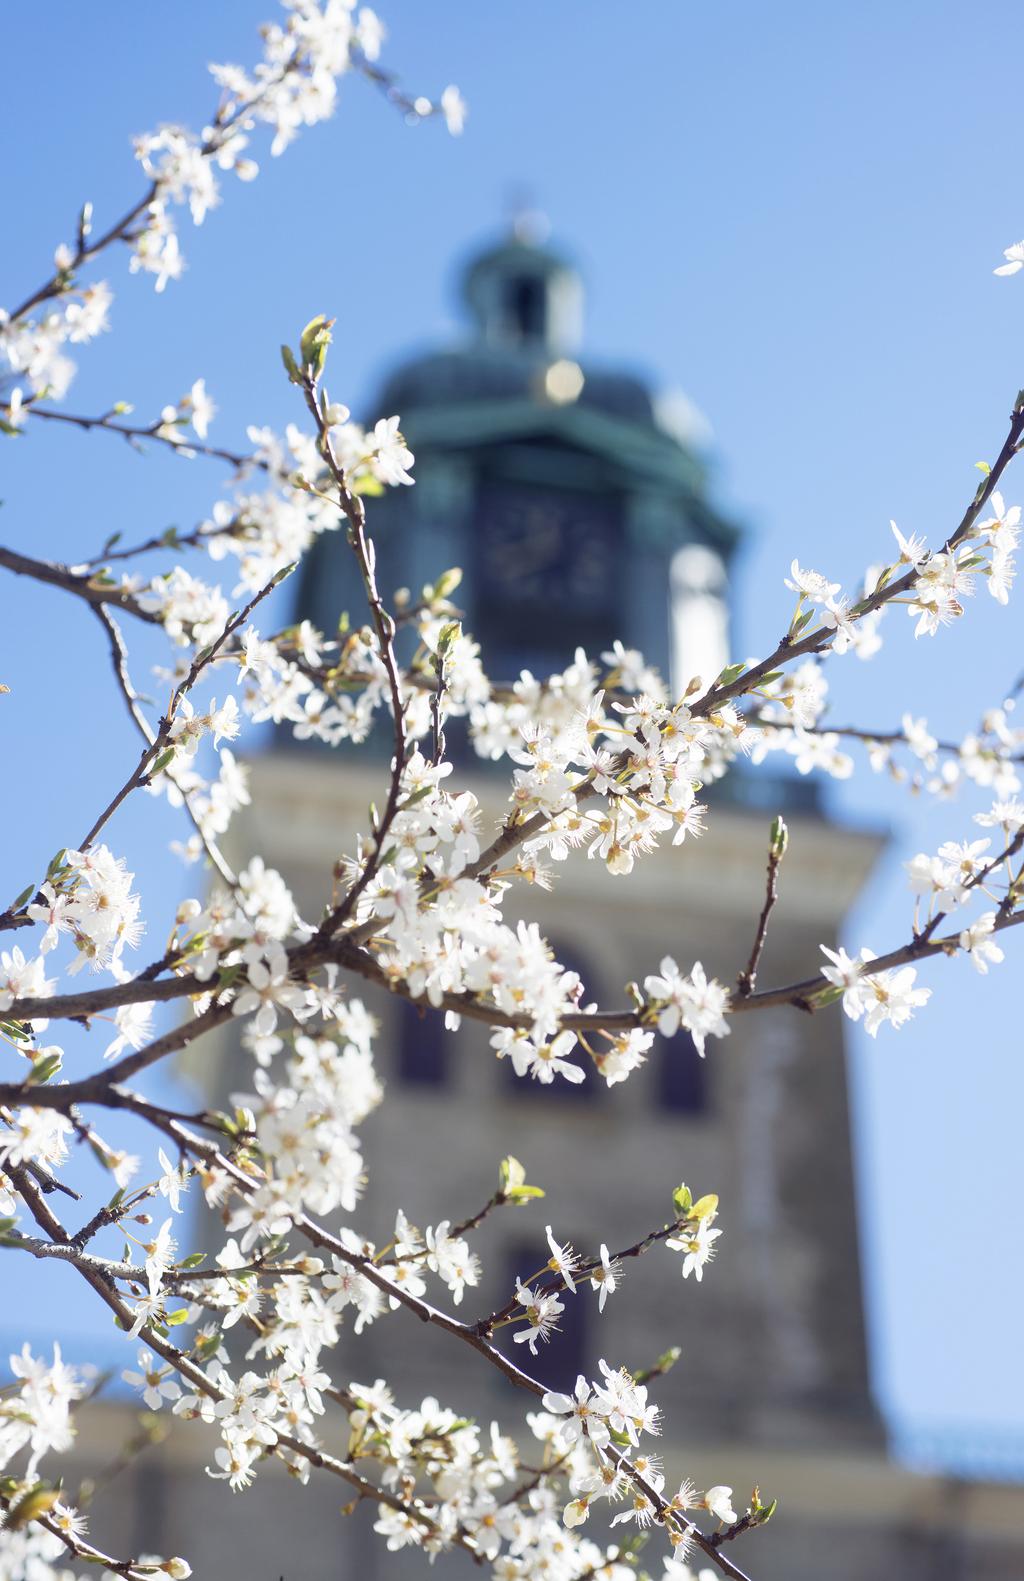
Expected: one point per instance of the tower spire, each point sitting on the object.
(524, 294)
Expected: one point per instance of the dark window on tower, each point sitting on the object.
(561, 1358)
(526, 309)
(681, 1075)
(547, 574)
(422, 1045)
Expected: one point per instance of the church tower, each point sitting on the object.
(576, 515)
(579, 515)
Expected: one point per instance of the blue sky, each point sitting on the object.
(792, 213)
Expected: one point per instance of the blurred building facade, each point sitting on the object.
(579, 514)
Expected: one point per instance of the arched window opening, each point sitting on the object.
(680, 1075)
(526, 308)
(423, 1053)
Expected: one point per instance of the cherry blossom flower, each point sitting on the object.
(582, 1413)
(697, 1003)
(913, 550)
(269, 988)
(977, 940)
(173, 1181)
(811, 584)
(541, 1310)
(719, 1501)
(155, 1381)
(23, 979)
(606, 1277)
(891, 997)
(1014, 256)
(846, 973)
(697, 1242)
(160, 1254)
(391, 457)
(453, 108)
(133, 1025)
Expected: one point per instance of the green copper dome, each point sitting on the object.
(515, 378)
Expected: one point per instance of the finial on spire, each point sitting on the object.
(523, 294)
(526, 220)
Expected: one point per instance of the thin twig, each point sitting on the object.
(204, 657)
(776, 851)
(384, 626)
(869, 737)
(119, 660)
(135, 433)
(82, 583)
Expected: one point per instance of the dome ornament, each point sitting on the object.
(523, 294)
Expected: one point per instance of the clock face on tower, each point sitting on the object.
(540, 548)
(545, 575)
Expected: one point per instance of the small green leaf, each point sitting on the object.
(46, 1066)
(682, 1201)
(36, 1501)
(25, 896)
(704, 1207)
(450, 632)
(759, 1511)
(511, 1173)
(828, 996)
(102, 1157)
(665, 1362)
(291, 367)
(313, 344)
(446, 583)
(512, 1179)
(417, 795)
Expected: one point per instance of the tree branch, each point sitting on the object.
(776, 851)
